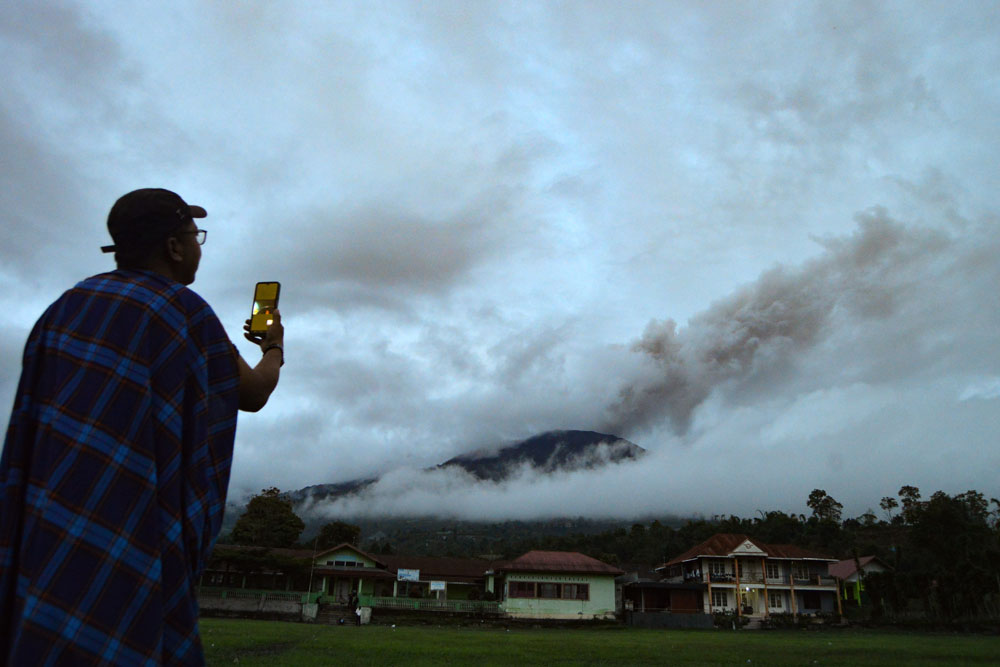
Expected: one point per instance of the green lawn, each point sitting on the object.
(242, 642)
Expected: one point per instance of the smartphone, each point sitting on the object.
(265, 301)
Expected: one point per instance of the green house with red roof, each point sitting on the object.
(558, 585)
(540, 584)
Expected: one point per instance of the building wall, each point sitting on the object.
(777, 600)
(344, 554)
(600, 605)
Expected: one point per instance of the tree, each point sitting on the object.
(268, 521)
(910, 498)
(888, 504)
(337, 532)
(824, 507)
(954, 552)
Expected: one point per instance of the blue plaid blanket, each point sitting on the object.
(114, 473)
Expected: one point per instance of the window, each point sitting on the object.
(548, 591)
(774, 600)
(346, 563)
(718, 567)
(521, 589)
(720, 598)
(773, 571)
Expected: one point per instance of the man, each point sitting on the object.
(117, 457)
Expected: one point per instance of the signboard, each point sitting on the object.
(437, 586)
(407, 575)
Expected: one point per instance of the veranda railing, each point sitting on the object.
(429, 604)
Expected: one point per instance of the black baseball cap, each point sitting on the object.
(141, 218)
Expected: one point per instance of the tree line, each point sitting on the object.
(943, 551)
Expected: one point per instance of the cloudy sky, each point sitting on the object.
(760, 240)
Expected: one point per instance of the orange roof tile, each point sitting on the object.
(723, 544)
(559, 561)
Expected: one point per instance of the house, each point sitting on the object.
(539, 584)
(439, 577)
(850, 575)
(739, 574)
(556, 585)
(344, 569)
(234, 566)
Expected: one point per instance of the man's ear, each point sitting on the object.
(175, 250)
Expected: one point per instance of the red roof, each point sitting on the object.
(845, 568)
(559, 561)
(723, 544)
(220, 551)
(444, 568)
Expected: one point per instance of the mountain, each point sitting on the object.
(552, 452)
(555, 451)
(549, 453)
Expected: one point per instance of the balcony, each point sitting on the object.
(815, 580)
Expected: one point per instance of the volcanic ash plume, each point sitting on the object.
(763, 326)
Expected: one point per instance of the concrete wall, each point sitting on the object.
(657, 620)
(600, 605)
(245, 607)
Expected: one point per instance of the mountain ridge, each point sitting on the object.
(551, 452)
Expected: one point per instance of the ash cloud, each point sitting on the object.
(763, 327)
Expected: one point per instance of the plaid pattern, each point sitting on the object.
(114, 473)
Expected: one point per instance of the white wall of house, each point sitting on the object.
(600, 602)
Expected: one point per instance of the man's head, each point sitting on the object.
(154, 229)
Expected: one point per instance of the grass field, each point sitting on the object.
(243, 642)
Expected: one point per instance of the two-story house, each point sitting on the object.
(736, 573)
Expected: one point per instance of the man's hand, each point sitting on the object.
(257, 383)
(275, 333)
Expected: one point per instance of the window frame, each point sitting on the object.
(522, 589)
(720, 567)
(724, 597)
(548, 590)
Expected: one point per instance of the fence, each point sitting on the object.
(260, 596)
(420, 604)
(484, 607)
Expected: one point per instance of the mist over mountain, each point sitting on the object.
(548, 454)
(552, 452)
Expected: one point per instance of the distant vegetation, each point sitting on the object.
(944, 551)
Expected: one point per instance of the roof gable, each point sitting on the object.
(727, 545)
(349, 550)
(747, 548)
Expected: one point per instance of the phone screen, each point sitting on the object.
(265, 300)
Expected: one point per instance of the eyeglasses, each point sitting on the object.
(200, 235)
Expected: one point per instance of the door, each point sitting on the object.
(342, 590)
